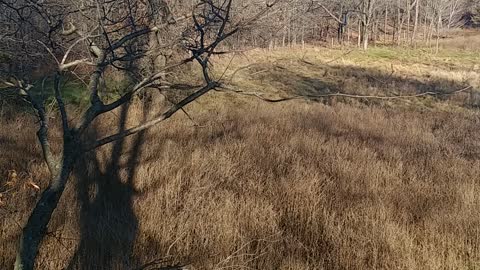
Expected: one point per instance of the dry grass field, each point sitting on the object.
(314, 183)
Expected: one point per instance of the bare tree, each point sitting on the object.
(114, 36)
(138, 39)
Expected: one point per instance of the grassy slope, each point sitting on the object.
(380, 71)
(349, 184)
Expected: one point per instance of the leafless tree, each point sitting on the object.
(124, 36)
(146, 40)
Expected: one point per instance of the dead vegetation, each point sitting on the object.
(349, 184)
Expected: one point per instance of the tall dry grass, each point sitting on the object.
(355, 184)
(289, 186)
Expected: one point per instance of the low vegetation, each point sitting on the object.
(240, 183)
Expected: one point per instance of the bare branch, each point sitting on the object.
(61, 105)
(75, 63)
(261, 96)
(42, 132)
(162, 117)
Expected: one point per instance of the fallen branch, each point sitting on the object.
(307, 97)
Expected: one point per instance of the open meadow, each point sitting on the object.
(284, 168)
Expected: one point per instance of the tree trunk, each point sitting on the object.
(415, 25)
(430, 30)
(395, 27)
(341, 25)
(425, 28)
(385, 25)
(439, 26)
(36, 228)
(359, 40)
(303, 36)
(365, 40)
(407, 33)
(289, 29)
(453, 11)
(364, 26)
(367, 10)
(348, 34)
(399, 26)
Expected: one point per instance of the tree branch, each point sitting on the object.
(295, 97)
(61, 105)
(162, 117)
(42, 133)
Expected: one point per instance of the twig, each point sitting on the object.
(241, 68)
(338, 58)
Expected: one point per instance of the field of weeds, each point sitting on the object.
(241, 183)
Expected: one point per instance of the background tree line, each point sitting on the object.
(361, 22)
(148, 43)
(25, 23)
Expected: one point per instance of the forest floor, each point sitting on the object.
(312, 182)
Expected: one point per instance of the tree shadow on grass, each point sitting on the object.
(108, 223)
(310, 80)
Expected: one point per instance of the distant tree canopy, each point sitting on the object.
(472, 17)
(293, 22)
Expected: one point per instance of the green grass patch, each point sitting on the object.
(75, 92)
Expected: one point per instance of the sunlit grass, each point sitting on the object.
(245, 184)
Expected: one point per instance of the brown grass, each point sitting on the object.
(298, 185)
